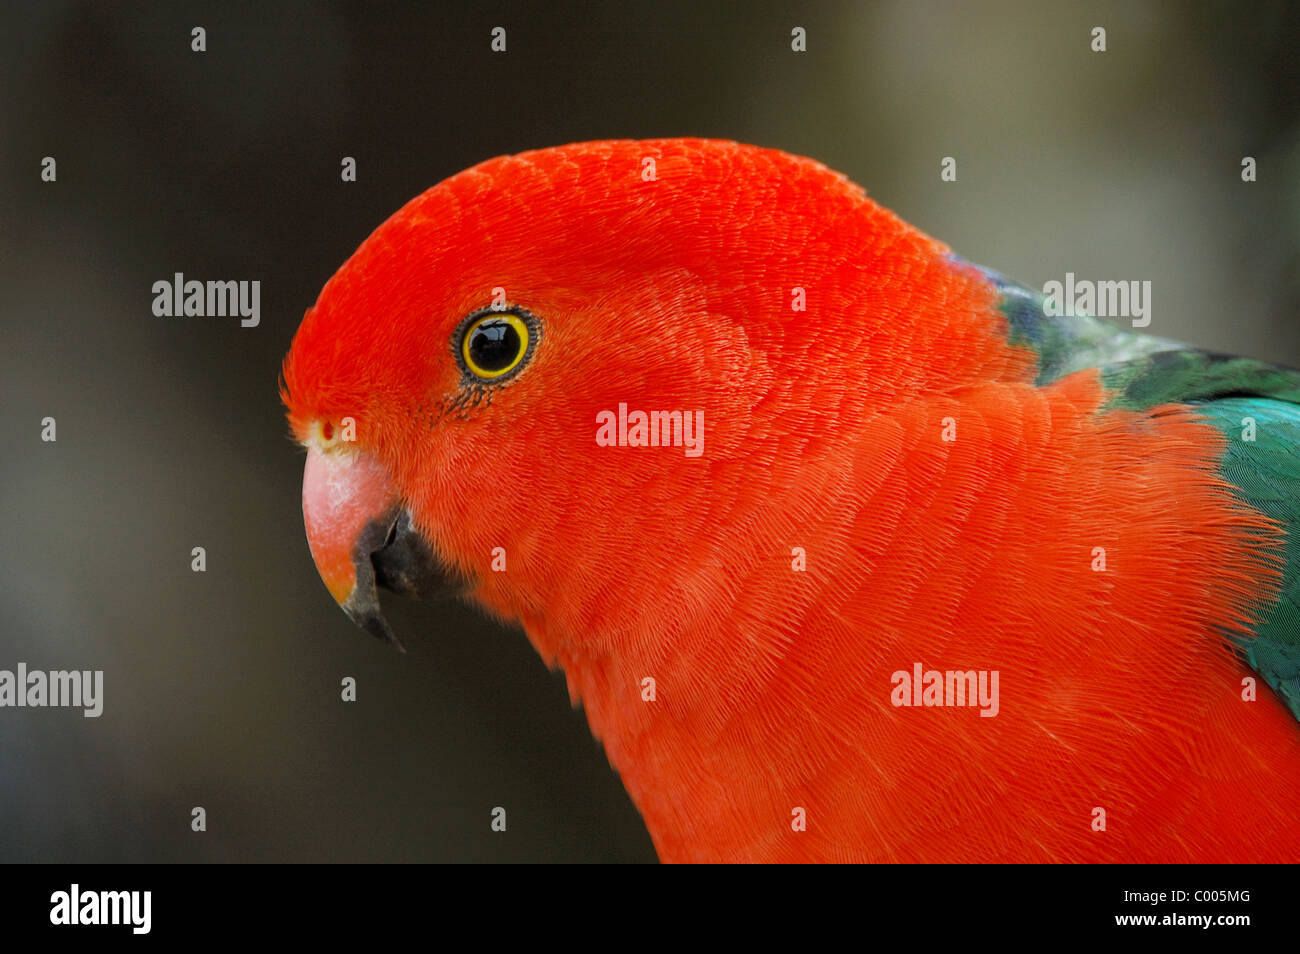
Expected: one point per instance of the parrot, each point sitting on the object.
(850, 550)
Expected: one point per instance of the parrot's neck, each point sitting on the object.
(752, 704)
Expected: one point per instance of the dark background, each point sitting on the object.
(222, 689)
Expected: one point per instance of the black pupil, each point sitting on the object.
(494, 345)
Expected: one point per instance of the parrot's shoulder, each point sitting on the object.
(1254, 404)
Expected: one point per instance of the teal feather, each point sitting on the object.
(1266, 473)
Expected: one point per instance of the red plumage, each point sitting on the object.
(823, 431)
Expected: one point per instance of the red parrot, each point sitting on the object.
(851, 550)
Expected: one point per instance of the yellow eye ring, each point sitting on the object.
(494, 344)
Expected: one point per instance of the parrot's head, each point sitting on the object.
(589, 386)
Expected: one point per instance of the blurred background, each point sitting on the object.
(222, 688)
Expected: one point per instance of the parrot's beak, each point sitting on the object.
(362, 537)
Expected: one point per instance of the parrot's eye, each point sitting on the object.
(494, 344)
